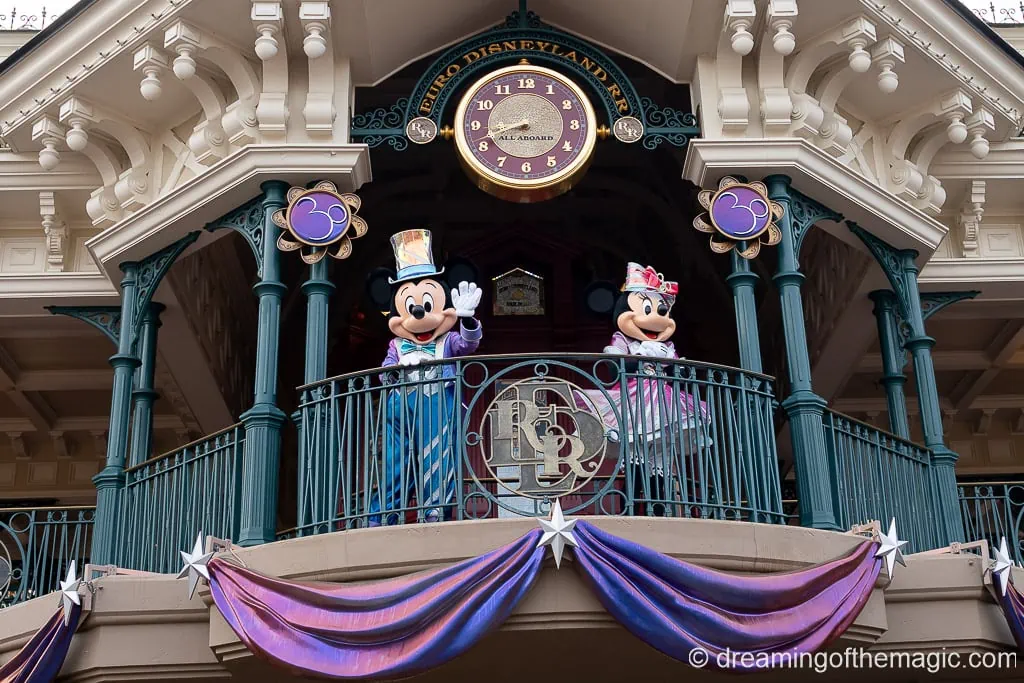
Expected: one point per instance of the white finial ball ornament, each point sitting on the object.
(784, 42)
(184, 66)
(77, 138)
(150, 87)
(266, 46)
(49, 158)
(860, 60)
(956, 131)
(314, 45)
(979, 147)
(888, 80)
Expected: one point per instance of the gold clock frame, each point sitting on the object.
(514, 189)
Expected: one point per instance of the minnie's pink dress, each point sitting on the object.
(656, 405)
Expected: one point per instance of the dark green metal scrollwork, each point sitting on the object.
(246, 220)
(152, 270)
(106, 319)
(384, 124)
(664, 124)
(891, 260)
(931, 303)
(806, 212)
(523, 36)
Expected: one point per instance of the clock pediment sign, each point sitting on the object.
(420, 116)
(518, 292)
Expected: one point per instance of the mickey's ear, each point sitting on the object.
(600, 297)
(460, 270)
(378, 289)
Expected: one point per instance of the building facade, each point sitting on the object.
(190, 343)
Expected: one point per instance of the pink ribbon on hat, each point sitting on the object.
(656, 281)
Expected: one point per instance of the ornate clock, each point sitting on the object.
(525, 133)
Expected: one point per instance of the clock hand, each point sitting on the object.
(501, 129)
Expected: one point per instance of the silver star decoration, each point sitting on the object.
(1001, 566)
(69, 593)
(557, 533)
(891, 548)
(195, 565)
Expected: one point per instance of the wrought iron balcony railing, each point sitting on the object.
(879, 476)
(993, 510)
(28, 18)
(997, 13)
(36, 547)
(497, 436)
(172, 497)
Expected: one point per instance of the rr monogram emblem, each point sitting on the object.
(541, 444)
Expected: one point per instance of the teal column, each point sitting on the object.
(145, 393)
(803, 406)
(258, 507)
(110, 480)
(893, 378)
(943, 459)
(318, 290)
(742, 280)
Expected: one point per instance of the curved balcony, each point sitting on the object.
(503, 436)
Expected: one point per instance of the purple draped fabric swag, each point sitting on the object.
(739, 621)
(41, 659)
(403, 626)
(381, 629)
(1013, 609)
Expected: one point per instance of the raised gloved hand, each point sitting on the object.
(466, 298)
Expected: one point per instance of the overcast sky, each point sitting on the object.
(58, 6)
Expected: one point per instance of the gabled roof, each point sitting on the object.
(984, 29)
(44, 35)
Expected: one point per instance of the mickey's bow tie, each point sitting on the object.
(405, 346)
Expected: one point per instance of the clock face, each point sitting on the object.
(525, 129)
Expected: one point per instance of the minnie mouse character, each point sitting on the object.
(420, 409)
(651, 402)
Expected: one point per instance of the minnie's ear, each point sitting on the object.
(378, 289)
(600, 297)
(460, 270)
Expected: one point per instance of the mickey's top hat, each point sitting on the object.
(414, 257)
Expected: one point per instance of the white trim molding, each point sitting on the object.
(227, 185)
(821, 177)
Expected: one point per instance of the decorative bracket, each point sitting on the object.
(891, 260)
(152, 270)
(246, 220)
(805, 212)
(931, 303)
(106, 319)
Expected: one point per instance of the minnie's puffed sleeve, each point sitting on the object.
(618, 346)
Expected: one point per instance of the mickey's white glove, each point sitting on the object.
(410, 359)
(654, 349)
(466, 298)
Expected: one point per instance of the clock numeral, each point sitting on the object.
(526, 167)
(501, 161)
(574, 125)
(474, 125)
(526, 84)
(566, 146)
(484, 105)
(502, 90)
(551, 162)
(482, 146)
(551, 89)
(566, 104)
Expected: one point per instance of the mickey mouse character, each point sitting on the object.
(420, 409)
(651, 401)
